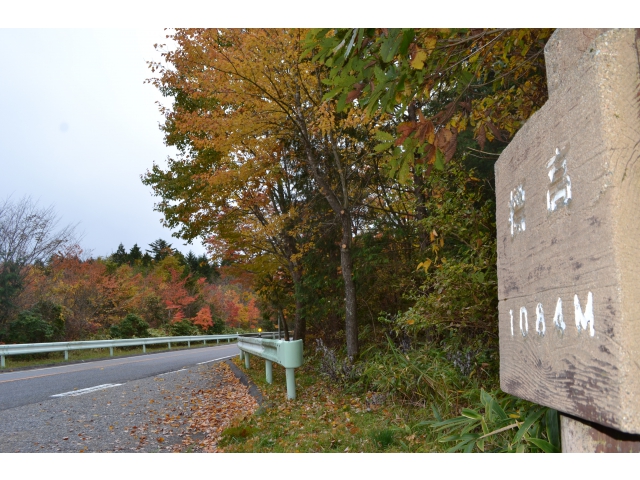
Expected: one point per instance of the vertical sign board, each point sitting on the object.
(568, 233)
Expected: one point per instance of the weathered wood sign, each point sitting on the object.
(568, 226)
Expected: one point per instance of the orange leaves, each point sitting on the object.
(203, 318)
(405, 129)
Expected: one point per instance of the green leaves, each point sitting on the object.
(495, 428)
(390, 45)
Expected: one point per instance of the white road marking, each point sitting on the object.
(75, 393)
(167, 373)
(217, 359)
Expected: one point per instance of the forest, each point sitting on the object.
(342, 182)
(61, 294)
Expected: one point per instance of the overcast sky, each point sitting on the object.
(78, 127)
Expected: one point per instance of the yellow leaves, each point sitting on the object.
(421, 54)
(419, 59)
(429, 44)
(424, 265)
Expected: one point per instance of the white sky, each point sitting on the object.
(78, 127)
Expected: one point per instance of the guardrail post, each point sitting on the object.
(144, 348)
(188, 343)
(2, 364)
(66, 354)
(246, 360)
(268, 365)
(291, 384)
(169, 345)
(205, 342)
(241, 355)
(111, 351)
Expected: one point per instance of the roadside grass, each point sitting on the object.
(57, 358)
(324, 418)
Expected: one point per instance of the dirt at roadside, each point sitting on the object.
(178, 411)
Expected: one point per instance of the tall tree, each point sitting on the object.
(135, 254)
(160, 249)
(120, 256)
(248, 95)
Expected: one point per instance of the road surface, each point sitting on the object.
(47, 384)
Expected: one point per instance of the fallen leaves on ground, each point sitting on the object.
(214, 409)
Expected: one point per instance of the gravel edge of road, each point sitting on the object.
(254, 391)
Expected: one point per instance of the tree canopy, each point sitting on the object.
(346, 167)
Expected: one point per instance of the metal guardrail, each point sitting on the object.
(30, 348)
(287, 354)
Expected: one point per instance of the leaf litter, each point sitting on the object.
(212, 410)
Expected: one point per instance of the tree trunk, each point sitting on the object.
(346, 263)
(300, 327)
(284, 325)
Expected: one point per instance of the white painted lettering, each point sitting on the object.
(540, 326)
(558, 318)
(524, 331)
(511, 315)
(559, 192)
(582, 319)
(516, 210)
(585, 320)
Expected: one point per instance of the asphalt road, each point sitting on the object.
(28, 387)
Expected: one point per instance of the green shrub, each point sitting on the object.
(29, 327)
(183, 328)
(419, 376)
(55, 315)
(132, 326)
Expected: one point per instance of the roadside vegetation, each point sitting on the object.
(331, 414)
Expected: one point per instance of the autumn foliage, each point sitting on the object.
(95, 294)
(349, 170)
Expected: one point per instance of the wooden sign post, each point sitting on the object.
(568, 232)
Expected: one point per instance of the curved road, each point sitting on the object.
(33, 386)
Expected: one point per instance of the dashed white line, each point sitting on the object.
(75, 393)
